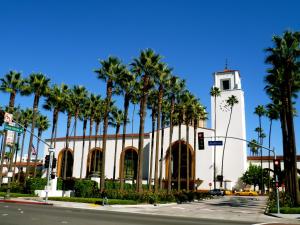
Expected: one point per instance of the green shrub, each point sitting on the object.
(15, 187)
(93, 200)
(33, 184)
(86, 188)
(284, 200)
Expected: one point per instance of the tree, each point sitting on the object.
(253, 145)
(126, 82)
(145, 66)
(231, 101)
(117, 120)
(12, 83)
(55, 100)
(109, 71)
(42, 124)
(37, 84)
(215, 92)
(176, 86)
(260, 111)
(251, 176)
(282, 87)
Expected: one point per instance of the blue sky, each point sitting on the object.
(65, 40)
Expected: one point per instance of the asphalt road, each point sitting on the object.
(17, 214)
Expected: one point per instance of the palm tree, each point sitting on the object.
(25, 119)
(253, 145)
(42, 124)
(84, 115)
(78, 96)
(117, 120)
(37, 84)
(145, 66)
(109, 71)
(272, 114)
(176, 86)
(160, 78)
(55, 101)
(231, 101)
(215, 92)
(282, 87)
(260, 111)
(12, 83)
(152, 104)
(126, 82)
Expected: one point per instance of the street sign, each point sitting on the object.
(8, 117)
(13, 128)
(213, 143)
(10, 137)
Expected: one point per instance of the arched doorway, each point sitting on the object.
(183, 165)
(129, 158)
(94, 162)
(65, 153)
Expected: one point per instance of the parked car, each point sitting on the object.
(217, 192)
(246, 193)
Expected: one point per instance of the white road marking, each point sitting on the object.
(64, 222)
(22, 212)
(4, 214)
(19, 209)
(263, 223)
(177, 207)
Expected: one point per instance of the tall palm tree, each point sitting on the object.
(231, 101)
(272, 114)
(126, 82)
(161, 77)
(215, 92)
(25, 120)
(55, 100)
(109, 71)
(12, 83)
(260, 111)
(282, 87)
(117, 120)
(253, 145)
(176, 86)
(78, 96)
(152, 104)
(42, 124)
(37, 84)
(145, 66)
(84, 115)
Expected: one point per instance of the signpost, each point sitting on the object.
(213, 143)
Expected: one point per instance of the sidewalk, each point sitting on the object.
(205, 209)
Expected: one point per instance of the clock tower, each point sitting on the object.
(235, 153)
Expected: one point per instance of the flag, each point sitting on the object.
(33, 151)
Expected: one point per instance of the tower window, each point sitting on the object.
(225, 84)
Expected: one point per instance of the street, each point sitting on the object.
(17, 214)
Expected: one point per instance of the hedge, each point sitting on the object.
(94, 200)
(286, 210)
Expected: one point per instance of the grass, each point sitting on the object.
(286, 210)
(94, 200)
(16, 195)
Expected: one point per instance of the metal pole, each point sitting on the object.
(49, 173)
(277, 188)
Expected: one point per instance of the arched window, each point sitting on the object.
(65, 162)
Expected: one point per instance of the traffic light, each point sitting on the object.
(52, 176)
(2, 113)
(277, 167)
(200, 140)
(47, 161)
(54, 163)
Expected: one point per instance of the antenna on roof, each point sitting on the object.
(226, 64)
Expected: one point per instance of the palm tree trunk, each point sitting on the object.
(90, 145)
(161, 151)
(221, 184)
(215, 147)
(12, 98)
(96, 151)
(67, 145)
(21, 154)
(54, 123)
(170, 147)
(151, 153)
(115, 156)
(2, 155)
(179, 159)
(75, 131)
(187, 157)
(141, 132)
(105, 126)
(160, 94)
(261, 163)
(195, 151)
(126, 106)
(83, 145)
(35, 111)
(132, 126)
(16, 155)
(270, 132)
(37, 151)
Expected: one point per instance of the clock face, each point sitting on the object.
(224, 106)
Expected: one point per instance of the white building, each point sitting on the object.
(201, 165)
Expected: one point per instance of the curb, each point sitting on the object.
(25, 202)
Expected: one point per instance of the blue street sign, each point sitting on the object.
(212, 143)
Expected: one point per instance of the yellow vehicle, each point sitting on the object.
(246, 193)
